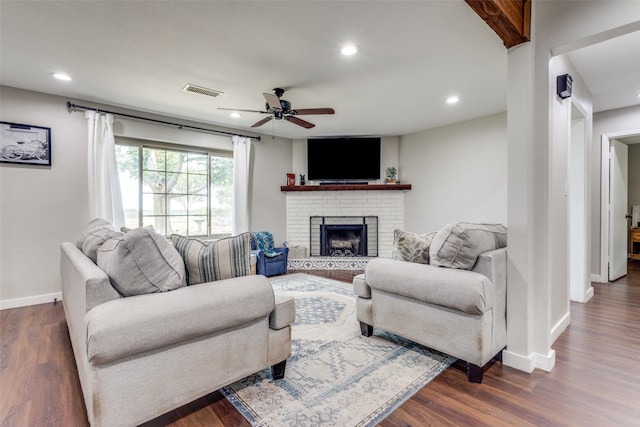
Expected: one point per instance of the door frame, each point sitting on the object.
(580, 289)
(605, 143)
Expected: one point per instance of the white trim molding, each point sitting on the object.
(530, 362)
(27, 301)
(561, 326)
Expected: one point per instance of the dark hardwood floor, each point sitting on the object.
(595, 382)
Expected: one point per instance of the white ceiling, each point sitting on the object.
(139, 55)
(611, 70)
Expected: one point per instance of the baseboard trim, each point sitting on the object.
(27, 301)
(545, 362)
(560, 327)
(598, 279)
(530, 362)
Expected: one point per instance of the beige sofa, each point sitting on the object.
(457, 311)
(141, 356)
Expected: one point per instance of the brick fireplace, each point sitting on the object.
(345, 201)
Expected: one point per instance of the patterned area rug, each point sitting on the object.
(335, 376)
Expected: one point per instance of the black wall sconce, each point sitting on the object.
(563, 86)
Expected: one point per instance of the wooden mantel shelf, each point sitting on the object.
(347, 187)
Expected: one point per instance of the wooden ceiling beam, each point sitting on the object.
(510, 19)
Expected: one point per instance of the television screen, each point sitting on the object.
(343, 159)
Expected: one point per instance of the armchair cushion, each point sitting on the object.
(465, 291)
(459, 245)
(208, 261)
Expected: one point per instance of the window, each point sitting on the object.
(183, 191)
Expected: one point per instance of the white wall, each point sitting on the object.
(457, 173)
(43, 206)
(40, 206)
(271, 160)
(616, 121)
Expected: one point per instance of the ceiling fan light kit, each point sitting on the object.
(280, 109)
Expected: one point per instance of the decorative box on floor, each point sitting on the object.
(297, 252)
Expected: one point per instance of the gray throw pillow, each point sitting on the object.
(458, 245)
(411, 247)
(141, 262)
(94, 235)
(208, 261)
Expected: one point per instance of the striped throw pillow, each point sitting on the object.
(208, 261)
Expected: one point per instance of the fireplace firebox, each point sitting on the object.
(344, 236)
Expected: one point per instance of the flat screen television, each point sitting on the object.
(343, 159)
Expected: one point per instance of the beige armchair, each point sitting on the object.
(458, 312)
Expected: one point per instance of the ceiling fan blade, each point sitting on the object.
(306, 111)
(245, 111)
(300, 122)
(261, 122)
(273, 101)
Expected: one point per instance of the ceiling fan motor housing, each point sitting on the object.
(285, 105)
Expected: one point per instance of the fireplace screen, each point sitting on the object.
(344, 236)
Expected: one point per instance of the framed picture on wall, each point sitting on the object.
(25, 144)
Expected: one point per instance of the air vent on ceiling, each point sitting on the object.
(202, 90)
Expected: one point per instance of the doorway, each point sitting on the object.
(614, 244)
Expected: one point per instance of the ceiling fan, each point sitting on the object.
(280, 109)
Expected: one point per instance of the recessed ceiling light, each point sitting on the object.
(452, 100)
(349, 50)
(235, 115)
(62, 76)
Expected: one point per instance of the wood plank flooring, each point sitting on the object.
(595, 382)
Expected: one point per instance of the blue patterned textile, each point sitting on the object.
(263, 241)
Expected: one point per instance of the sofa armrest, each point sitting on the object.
(284, 313)
(360, 287)
(84, 284)
(137, 324)
(461, 290)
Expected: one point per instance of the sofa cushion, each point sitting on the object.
(461, 290)
(458, 245)
(94, 235)
(142, 262)
(207, 261)
(411, 247)
(129, 326)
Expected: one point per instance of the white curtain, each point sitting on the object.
(105, 198)
(241, 158)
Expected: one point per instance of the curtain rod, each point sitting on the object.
(100, 110)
